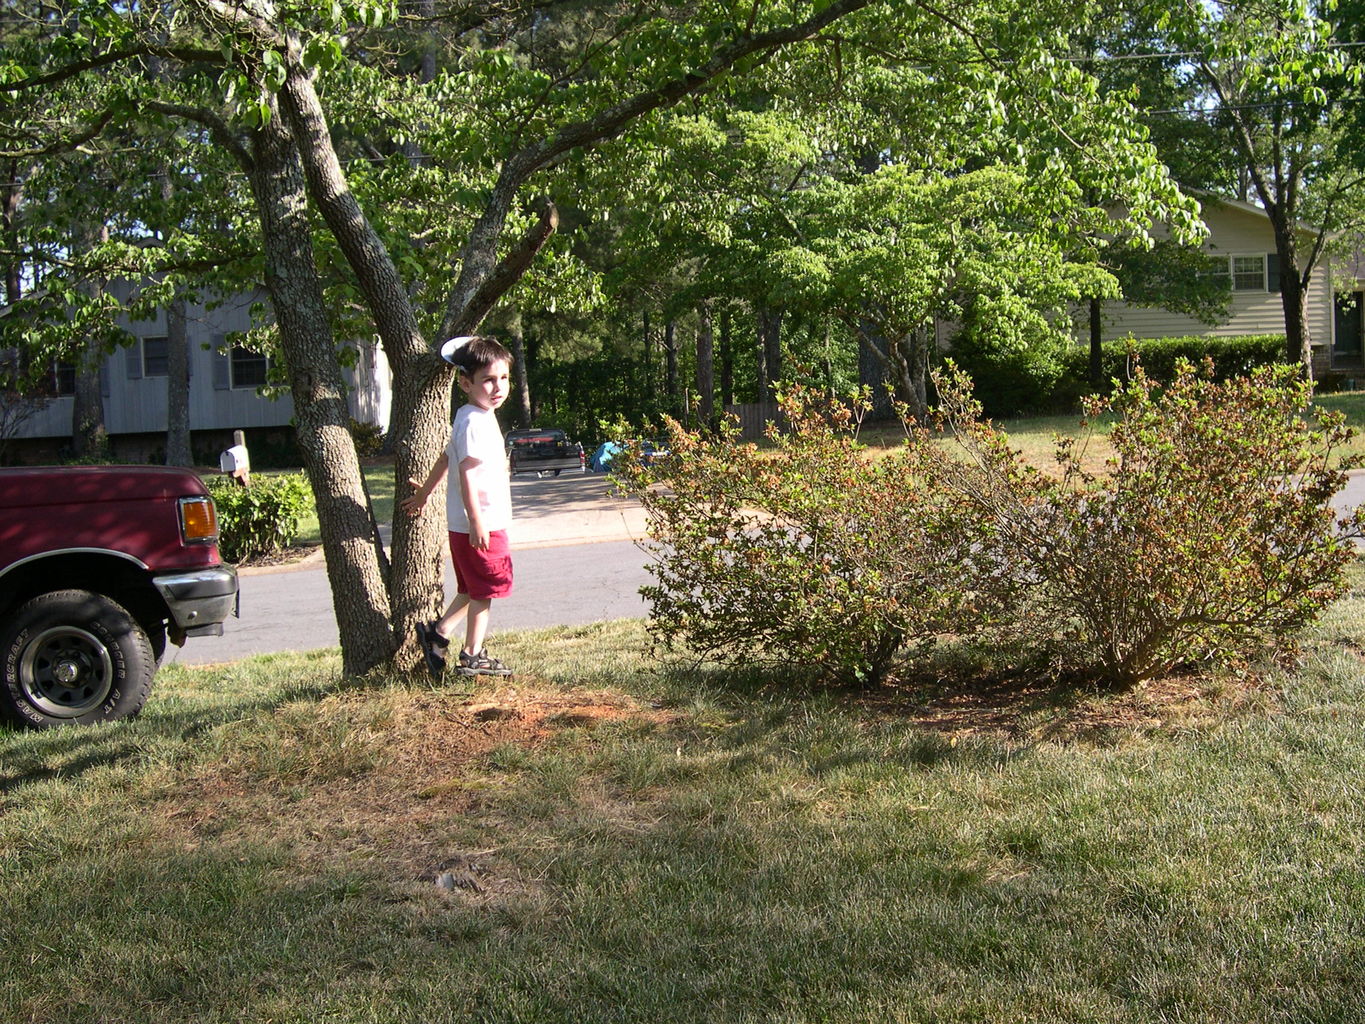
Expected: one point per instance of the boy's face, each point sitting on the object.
(488, 386)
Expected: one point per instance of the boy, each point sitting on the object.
(478, 507)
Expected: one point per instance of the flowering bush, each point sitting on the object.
(1212, 537)
(809, 552)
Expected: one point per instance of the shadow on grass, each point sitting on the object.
(959, 689)
(168, 725)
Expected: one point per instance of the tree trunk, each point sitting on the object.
(910, 362)
(521, 371)
(11, 194)
(770, 351)
(671, 385)
(353, 565)
(421, 381)
(706, 377)
(1293, 291)
(1096, 344)
(905, 364)
(177, 385)
(647, 392)
(727, 360)
(89, 437)
(874, 370)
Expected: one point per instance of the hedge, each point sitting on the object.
(1056, 382)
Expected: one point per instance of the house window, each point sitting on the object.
(249, 369)
(1248, 273)
(63, 379)
(155, 362)
(1242, 273)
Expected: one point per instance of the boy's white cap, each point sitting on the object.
(449, 348)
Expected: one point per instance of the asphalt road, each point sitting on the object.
(555, 586)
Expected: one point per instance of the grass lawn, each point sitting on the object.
(1034, 436)
(614, 836)
(378, 480)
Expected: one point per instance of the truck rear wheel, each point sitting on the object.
(73, 657)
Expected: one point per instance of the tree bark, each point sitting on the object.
(706, 367)
(421, 381)
(318, 389)
(647, 336)
(89, 437)
(177, 385)
(1096, 343)
(874, 371)
(903, 362)
(11, 195)
(521, 370)
(1293, 290)
(727, 360)
(770, 348)
(672, 387)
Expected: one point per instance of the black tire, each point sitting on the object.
(557, 472)
(73, 658)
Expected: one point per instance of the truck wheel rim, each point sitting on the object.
(66, 672)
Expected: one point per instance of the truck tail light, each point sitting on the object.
(198, 520)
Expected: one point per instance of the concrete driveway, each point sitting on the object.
(572, 508)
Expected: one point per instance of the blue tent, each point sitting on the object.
(600, 462)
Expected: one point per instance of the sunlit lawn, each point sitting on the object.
(1035, 436)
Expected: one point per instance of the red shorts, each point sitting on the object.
(482, 574)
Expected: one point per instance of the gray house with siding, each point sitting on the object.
(225, 382)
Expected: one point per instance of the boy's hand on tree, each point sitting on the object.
(416, 501)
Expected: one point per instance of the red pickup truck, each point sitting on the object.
(99, 567)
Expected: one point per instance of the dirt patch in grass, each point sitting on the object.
(393, 784)
(1041, 710)
(426, 764)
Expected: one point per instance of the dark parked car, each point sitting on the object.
(543, 451)
(99, 567)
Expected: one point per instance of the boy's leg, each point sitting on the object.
(476, 625)
(474, 660)
(445, 625)
(434, 637)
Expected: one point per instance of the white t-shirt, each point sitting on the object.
(475, 433)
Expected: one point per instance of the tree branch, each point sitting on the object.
(510, 270)
(66, 145)
(476, 264)
(186, 55)
(211, 120)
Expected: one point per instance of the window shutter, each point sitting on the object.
(104, 379)
(222, 367)
(133, 358)
(1272, 272)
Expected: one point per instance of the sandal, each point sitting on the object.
(434, 647)
(481, 665)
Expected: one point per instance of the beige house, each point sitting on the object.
(1241, 233)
